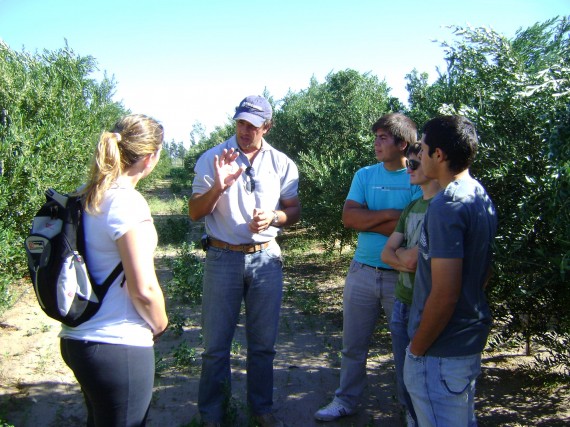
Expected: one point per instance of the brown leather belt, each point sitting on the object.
(246, 249)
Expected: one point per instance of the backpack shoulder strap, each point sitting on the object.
(78, 210)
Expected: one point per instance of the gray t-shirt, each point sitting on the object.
(276, 178)
(460, 222)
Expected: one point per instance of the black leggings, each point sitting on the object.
(116, 381)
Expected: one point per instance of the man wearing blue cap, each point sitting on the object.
(247, 192)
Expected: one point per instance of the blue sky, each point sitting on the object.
(187, 61)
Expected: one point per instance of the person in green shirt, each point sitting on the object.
(401, 253)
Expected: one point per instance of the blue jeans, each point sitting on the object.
(229, 277)
(443, 389)
(400, 341)
(366, 291)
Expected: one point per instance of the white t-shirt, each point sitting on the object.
(117, 321)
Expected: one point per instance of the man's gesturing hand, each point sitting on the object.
(226, 170)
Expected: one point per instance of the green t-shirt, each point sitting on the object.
(410, 225)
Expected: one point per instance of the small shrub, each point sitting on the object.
(304, 294)
(12, 259)
(160, 365)
(187, 272)
(172, 230)
(558, 353)
(177, 321)
(184, 357)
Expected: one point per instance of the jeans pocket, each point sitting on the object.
(214, 254)
(353, 267)
(413, 358)
(458, 373)
(273, 252)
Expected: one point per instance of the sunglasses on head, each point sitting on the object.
(412, 164)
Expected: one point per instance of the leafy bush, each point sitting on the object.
(11, 260)
(185, 357)
(172, 230)
(51, 115)
(188, 273)
(180, 180)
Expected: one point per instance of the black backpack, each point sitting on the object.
(56, 260)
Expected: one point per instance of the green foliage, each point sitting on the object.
(303, 294)
(11, 264)
(185, 357)
(172, 230)
(558, 353)
(180, 179)
(325, 129)
(51, 115)
(174, 150)
(160, 205)
(517, 93)
(188, 273)
(5, 423)
(159, 173)
(160, 365)
(176, 321)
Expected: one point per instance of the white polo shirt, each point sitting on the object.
(276, 178)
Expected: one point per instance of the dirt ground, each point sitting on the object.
(37, 389)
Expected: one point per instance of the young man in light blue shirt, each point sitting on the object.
(376, 198)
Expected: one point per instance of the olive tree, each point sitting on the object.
(51, 114)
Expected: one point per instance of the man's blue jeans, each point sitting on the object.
(400, 341)
(366, 292)
(229, 278)
(443, 389)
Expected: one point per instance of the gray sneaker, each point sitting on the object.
(333, 411)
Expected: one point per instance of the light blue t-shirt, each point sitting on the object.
(276, 178)
(377, 189)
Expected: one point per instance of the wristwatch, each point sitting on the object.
(275, 219)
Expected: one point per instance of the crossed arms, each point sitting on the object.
(359, 217)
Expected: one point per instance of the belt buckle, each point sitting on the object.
(253, 248)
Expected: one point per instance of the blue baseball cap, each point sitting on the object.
(254, 109)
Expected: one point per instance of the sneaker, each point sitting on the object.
(268, 420)
(332, 411)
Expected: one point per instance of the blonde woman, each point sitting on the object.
(112, 353)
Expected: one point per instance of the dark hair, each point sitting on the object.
(455, 136)
(414, 148)
(401, 127)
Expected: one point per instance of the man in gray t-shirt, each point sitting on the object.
(449, 317)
